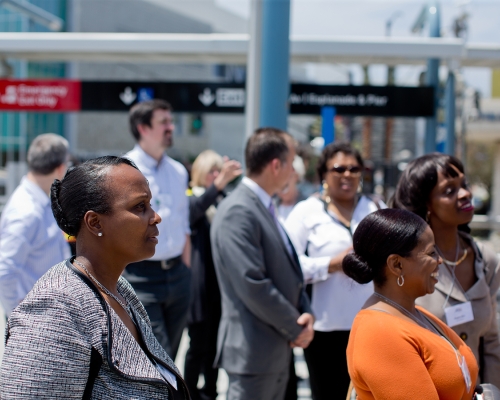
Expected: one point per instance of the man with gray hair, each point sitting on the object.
(30, 240)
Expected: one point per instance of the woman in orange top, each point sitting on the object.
(397, 350)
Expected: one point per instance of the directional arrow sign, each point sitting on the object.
(206, 97)
(128, 96)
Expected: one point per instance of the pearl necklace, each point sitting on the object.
(126, 307)
(413, 317)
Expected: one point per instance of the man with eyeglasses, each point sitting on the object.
(30, 240)
(163, 282)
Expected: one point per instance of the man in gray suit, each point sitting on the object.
(265, 311)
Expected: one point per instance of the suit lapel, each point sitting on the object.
(292, 257)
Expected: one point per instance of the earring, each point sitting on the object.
(402, 280)
(99, 234)
(427, 216)
(325, 186)
(360, 186)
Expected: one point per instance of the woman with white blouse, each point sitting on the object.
(321, 230)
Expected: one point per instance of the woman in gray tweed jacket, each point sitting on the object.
(81, 332)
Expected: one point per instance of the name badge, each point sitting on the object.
(459, 314)
(465, 372)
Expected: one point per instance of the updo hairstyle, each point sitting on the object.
(83, 188)
(419, 179)
(378, 235)
(331, 150)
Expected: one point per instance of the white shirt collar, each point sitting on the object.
(261, 193)
(145, 159)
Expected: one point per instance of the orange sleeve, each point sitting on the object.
(391, 368)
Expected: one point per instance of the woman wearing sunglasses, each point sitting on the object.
(321, 230)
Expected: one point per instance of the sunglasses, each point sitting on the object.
(341, 169)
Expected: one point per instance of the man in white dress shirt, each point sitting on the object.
(162, 283)
(30, 240)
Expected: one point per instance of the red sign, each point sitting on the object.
(40, 95)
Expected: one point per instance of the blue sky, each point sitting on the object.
(368, 18)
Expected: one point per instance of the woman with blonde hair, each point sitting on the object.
(210, 175)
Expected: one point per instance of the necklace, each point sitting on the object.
(457, 261)
(413, 317)
(126, 307)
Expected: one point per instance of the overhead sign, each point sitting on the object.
(184, 96)
(196, 97)
(390, 101)
(40, 95)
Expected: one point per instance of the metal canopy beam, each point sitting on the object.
(232, 48)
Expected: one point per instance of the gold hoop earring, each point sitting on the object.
(402, 282)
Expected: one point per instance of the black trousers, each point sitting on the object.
(327, 363)
(291, 386)
(165, 295)
(200, 359)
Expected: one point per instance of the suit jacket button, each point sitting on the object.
(463, 336)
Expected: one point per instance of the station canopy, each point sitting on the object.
(233, 49)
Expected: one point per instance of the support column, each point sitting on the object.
(450, 114)
(495, 193)
(252, 106)
(275, 60)
(432, 78)
(328, 124)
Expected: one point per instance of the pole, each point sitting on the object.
(367, 123)
(432, 77)
(328, 124)
(252, 106)
(275, 60)
(450, 114)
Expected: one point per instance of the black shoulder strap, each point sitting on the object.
(95, 366)
(337, 221)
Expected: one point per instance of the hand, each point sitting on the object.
(306, 336)
(231, 169)
(336, 262)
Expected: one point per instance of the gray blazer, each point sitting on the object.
(261, 286)
(64, 342)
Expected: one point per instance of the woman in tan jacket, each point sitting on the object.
(435, 188)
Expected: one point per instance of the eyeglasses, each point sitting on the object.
(341, 169)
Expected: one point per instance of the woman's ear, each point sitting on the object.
(395, 265)
(92, 222)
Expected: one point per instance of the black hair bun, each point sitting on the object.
(357, 268)
(57, 210)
